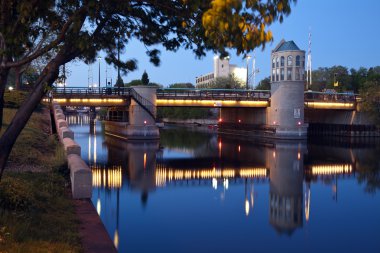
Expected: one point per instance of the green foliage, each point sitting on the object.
(15, 195)
(135, 82)
(181, 85)
(370, 94)
(145, 78)
(183, 113)
(264, 84)
(230, 82)
(119, 82)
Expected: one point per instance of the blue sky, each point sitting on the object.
(344, 32)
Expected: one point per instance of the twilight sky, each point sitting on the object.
(344, 32)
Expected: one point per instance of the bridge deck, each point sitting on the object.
(198, 98)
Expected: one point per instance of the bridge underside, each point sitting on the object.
(91, 101)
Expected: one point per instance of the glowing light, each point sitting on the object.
(144, 161)
(239, 148)
(220, 119)
(299, 156)
(166, 175)
(210, 103)
(98, 206)
(274, 154)
(330, 105)
(109, 178)
(225, 183)
(145, 122)
(274, 122)
(246, 207)
(214, 183)
(116, 239)
(299, 123)
(331, 169)
(10, 88)
(239, 121)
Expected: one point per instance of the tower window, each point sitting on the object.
(298, 60)
(282, 61)
(298, 74)
(273, 62)
(282, 74)
(289, 74)
(277, 62)
(290, 60)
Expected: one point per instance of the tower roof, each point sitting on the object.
(286, 46)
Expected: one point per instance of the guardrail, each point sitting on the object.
(213, 94)
(330, 97)
(92, 91)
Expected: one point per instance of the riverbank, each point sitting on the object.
(37, 213)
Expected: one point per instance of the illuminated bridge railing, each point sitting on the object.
(94, 92)
(214, 94)
(326, 100)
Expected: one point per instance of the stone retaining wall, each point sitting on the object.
(80, 173)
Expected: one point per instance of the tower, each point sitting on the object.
(286, 113)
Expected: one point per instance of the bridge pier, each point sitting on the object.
(141, 116)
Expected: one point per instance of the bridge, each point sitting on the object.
(234, 98)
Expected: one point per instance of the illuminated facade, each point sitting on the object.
(223, 68)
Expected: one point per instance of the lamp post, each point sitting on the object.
(246, 84)
(99, 58)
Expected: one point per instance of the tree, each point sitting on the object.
(119, 82)
(230, 82)
(181, 85)
(79, 29)
(145, 78)
(264, 84)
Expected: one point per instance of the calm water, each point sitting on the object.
(196, 191)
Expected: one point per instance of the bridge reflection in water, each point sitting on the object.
(143, 168)
(282, 183)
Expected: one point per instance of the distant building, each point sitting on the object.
(223, 68)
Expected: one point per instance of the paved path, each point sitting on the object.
(93, 234)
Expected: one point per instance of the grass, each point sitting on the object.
(36, 210)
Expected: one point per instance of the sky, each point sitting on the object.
(344, 32)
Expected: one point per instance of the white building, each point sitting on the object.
(223, 68)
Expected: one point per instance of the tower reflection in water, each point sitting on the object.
(142, 167)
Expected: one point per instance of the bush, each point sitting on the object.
(15, 194)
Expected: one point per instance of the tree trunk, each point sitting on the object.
(22, 116)
(18, 74)
(3, 82)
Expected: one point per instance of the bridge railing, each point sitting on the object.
(213, 94)
(330, 97)
(92, 91)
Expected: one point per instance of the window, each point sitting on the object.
(273, 73)
(282, 73)
(277, 74)
(282, 61)
(273, 62)
(277, 62)
(289, 74)
(290, 60)
(298, 60)
(298, 74)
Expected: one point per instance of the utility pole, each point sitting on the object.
(99, 58)
(247, 81)
(308, 67)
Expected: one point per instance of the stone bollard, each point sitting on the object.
(81, 177)
(71, 147)
(65, 132)
(61, 123)
(59, 116)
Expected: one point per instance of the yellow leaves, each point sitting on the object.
(280, 6)
(184, 24)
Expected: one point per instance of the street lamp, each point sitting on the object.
(99, 58)
(248, 57)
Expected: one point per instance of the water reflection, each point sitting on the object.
(198, 184)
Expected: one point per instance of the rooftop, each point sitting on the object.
(286, 46)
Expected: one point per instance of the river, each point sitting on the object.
(197, 191)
